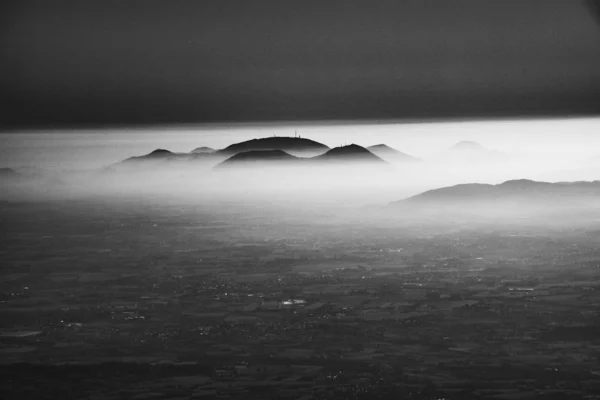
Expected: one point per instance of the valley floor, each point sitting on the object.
(100, 300)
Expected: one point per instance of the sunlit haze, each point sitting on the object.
(554, 142)
(546, 149)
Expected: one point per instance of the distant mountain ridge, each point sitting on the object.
(388, 153)
(161, 156)
(352, 152)
(202, 150)
(158, 154)
(307, 149)
(519, 189)
(256, 157)
(344, 155)
(292, 145)
(511, 202)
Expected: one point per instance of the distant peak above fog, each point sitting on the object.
(467, 145)
(381, 146)
(390, 154)
(292, 145)
(348, 149)
(352, 152)
(257, 156)
(162, 157)
(519, 199)
(524, 189)
(285, 148)
(156, 154)
(344, 155)
(202, 150)
(471, 152)
(161, 152)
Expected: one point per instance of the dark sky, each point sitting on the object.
(119, 62)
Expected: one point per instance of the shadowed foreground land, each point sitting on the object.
(137, 299)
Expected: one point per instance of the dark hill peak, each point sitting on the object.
(292, 145)
(161, 152)
(156, 155)
(350, 153)
(262, 154)
(257, 157)
(349, 149)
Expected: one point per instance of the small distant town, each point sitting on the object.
(170, 307)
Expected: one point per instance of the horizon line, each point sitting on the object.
(289, 123)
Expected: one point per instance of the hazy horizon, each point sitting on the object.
(548, 150)
(573, 140)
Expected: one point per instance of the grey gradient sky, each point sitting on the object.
(151, 62)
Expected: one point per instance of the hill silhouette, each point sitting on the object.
(161, 156)
(258, 157)
(284, 149)
(158, 154)
(388, 153)
(202, 150)
(350, 153)
(519, 192)
(291, 145)
(346, 156)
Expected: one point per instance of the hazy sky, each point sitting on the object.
(149, 61)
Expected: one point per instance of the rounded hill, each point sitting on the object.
(255, 157)
(291, 145)
(390, 154)
(352, 153)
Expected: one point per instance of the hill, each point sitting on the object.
(390, 154)
(202, 150)
(156, 155)
(258, 158)
(518, 187)
(161, 157)
(351, 153)
(515, 196)
(292, 145)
